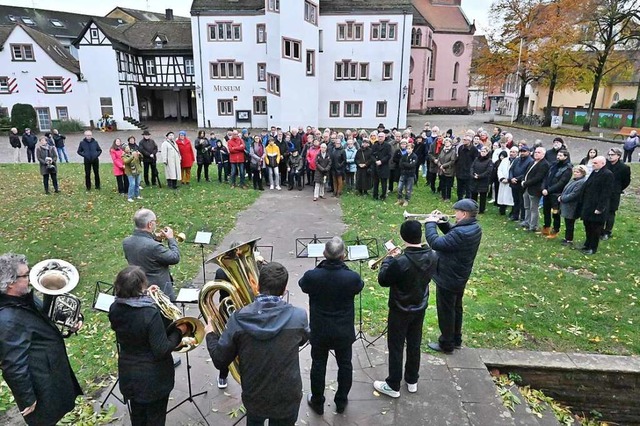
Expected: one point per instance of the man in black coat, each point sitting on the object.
(532, 186)
(557, 178)
(331, 287)
(149, 149)
(516, 173)
(381, 155)
(621, 180)
(456, 251)
(33, 357)
(14, 141)
(265, 335)
(29, 140)
(466, 154)
(596, 199)
(407, 277)
(90, 151)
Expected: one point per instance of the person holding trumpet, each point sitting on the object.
(407, 275)
(456, 251)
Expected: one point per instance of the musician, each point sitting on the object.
(33, 357)
(456, 251)
(145, 366)
(266, 336)
(141, 249)
(407, 277)
(331, 287)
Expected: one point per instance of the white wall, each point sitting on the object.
(26, 72)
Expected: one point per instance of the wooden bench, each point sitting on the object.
(625, 132)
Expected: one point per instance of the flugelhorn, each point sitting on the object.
(195, 328)
(392, 250)
(55, 278)
(161, 236)
(422, 217)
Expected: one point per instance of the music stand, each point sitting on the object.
(203, 238)
(268, 247)
(102, 299)
(361, 250)
(311, 247)
(188, 296)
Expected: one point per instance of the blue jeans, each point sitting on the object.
(134, 186)
(237, 168)
(405, 183)
(62, 152)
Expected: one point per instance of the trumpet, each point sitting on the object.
(392, 250)
(422, 217)
(161, 236)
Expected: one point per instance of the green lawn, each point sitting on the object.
(525, 291)
(87, 229)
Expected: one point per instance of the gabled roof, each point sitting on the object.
(444, 18)
(240, 7)
(143, 15)
(50, 45)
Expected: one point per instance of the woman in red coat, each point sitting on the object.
(188, 156)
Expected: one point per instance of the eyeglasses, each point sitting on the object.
(23, 276)
(612, 153)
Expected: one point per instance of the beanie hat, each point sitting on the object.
(411, 231)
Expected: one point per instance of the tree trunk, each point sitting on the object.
(552, 87)
(635, 122)
(594, 95)
(523, 91)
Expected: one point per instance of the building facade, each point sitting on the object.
(342, 64)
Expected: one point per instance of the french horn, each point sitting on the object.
(55, 278)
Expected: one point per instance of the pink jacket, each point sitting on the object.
(118, 164)
(312, 153)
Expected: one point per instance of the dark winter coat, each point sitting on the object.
(557, 178)
(466, 156)
(89, 150)
(14, 141)
(266, 336)
(295, 164)
(408, 277)
(456, 251)
(596, 195)
(58, 140)
(481, 166)
(395, 147)
(331, 287)
(420, 150)
(621, 180)
(42, 152)
(323, 166)
(203, 151)
(29, 140)
(447, 162)
(338, 161)
(148, 147)
(34, 360)
(519, 168)
(381, 152)
(221, 154)
(145, 365)
(552, 155)
(407, 164)
(433, 151)
(570, 198)
(535, 176)
(363, 174)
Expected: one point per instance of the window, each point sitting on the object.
(260, 105)
(56, 23)
(106, 106)
(616, 97)
(311, 62)
(262, 71)
(53, 84)
(62, 113)
(273, 84)
(273, 5)
(291, 49)
(22, 52)
(44, 119)
(381, 109)
(353, 109)
(383, 31)
(189, 68)
(158, 43)
(387, 70)
(334, 109)
(430, 93)
(456, 70)
(28, 21)
(454, 94)
(347, 70)
(132, 97)
(261, 33)
(150, 67)
(4, 84)
(228, 69)
(458, 48)
(432, 68)
(416, 37)
(93, 33)
(12, 18)
(310, 13)
(225, 31)
(350, 31)
(320, 41)
(225, 106)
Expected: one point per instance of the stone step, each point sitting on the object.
(524, 416)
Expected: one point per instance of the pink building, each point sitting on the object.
(441, 50)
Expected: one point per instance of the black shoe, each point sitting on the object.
(605, 237)
(435, 346)
(317, 409)
(57, 191)
(340, 406)
(457, 346)
(588, 252)
(290, 188)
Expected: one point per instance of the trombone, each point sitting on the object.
(422, 217)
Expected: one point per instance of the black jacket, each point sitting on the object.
(266, 336)
(381, 152)
(203, 151)
(407, 164)
(621, 180)
(331, 287)
(557, 178)
(482, 166)
(29, 140)
(145, 365)
(14, 140)
(148, 147)
(420, 150)
(596, 195)
(89, 150)
(466, 156)
(34, 361)
(534, 177)
(338, 161)
(59, 140)
(456, 251)
(408, 277)
(518, 169)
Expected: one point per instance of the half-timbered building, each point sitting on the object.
(38, 70)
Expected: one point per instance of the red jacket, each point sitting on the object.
(186, 152)
(236, 150)
(312, 153)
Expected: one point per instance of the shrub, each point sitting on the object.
(68, 126)
(22, 116)
(625, 104)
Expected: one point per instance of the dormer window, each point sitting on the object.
(12, 18)
(56, 23)
(28, 21)
(159, 41)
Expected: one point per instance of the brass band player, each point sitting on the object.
(33, 357)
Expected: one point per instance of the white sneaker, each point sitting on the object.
(139, 197)
(140, 187)
(222, 383)
(412, 387)
(271, 187)
(278, 188)
(130, 200)
(382, 387)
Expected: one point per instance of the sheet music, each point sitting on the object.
(315, 250)
(203, 237)
(188, 295)
(103, 302)
(358, 252)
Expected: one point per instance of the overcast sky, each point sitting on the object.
(474, 9)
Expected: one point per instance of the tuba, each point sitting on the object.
(239, 263)
(55, 278)
(195, 332)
